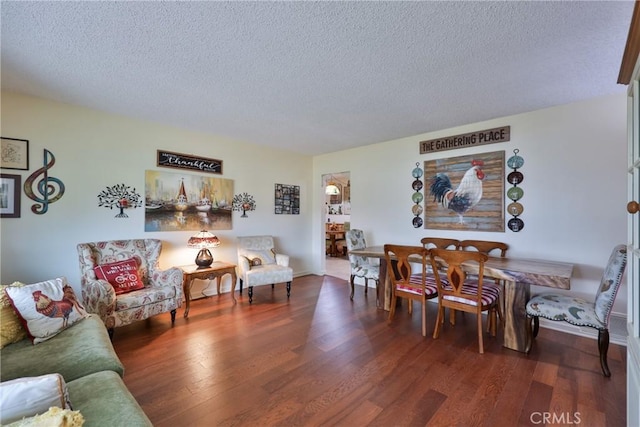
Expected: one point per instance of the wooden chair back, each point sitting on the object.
(404, 282)
(452, 295)
(465, 292)
(484, 246)
(439, 243)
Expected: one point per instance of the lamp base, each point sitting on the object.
(204, 258)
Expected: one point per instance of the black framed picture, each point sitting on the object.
(9, 196)
(287, 199)
(15, 153)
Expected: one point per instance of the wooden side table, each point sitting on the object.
(214, 271)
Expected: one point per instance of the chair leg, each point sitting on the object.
(392, 308)
(536, 326)
(439, 321)
(273, 285)
(250, 292)
(603, 347)
(410, 306)
(173, 316)
(480, 331)
(366, 285)
(288, 289)
(377, 293)
(529, 333)
(352, 287)
(240, 286)
(424, 318)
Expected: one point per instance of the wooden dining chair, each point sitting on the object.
(489, 248)
(407, 284)
(439, 242)
(484, 246)
(463, 292)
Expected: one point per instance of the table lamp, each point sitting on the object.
(203, 240)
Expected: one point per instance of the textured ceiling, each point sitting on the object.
(314, 77)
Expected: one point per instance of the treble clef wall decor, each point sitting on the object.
(49, 189)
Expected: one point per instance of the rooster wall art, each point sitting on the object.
(465, 193)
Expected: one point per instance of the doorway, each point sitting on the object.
(337, 219)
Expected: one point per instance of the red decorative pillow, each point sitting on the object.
(123, 275)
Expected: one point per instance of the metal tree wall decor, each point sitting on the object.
(243, 202)
(120, 196)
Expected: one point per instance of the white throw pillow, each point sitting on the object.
(46, 308)
(29, 396)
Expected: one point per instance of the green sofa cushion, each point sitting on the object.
(103, 400)
(79, 350)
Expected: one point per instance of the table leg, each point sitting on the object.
(219, 278)
(516, 296)
(186, 288)
(384, 290)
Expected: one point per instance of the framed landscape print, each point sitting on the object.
(465, 192)
(181, 201)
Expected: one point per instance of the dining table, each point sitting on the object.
(517, 275)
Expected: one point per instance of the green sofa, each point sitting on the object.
(84, 356)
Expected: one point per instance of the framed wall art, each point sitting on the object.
(287, 199)
(181, 202)
(10, 196)
(15, 153)
(465, 192)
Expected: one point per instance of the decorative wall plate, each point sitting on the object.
(515, 193)
(515, 224)
(515, 178)
(515, 209)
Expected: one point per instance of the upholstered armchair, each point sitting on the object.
(160, 290)
(259, 264)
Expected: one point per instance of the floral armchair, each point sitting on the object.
(259, 264)
(162, 291)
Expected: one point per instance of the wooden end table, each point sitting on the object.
(214, 271)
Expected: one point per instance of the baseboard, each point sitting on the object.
(617, 329)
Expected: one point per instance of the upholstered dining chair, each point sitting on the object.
(465, 293)
(361, 266)
(157, 291)
(259, 264)
(405, 282)
(580, 312)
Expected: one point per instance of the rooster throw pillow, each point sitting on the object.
(46, 308)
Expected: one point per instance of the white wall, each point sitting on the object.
(574, 183)
(574, 187)
(94, 150)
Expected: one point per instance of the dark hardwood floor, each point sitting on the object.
(321, 359)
